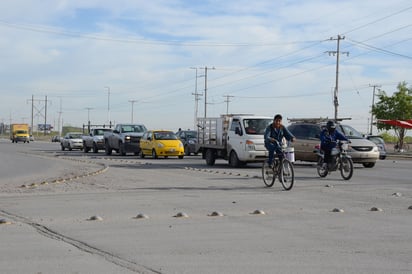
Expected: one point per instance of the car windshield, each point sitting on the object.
(75, 136)
(350, 132)
(377, 140)
(165, 135)
(256, 126)
(191, 134)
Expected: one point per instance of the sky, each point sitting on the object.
(165, 62)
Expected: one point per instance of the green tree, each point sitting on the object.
(395, 107)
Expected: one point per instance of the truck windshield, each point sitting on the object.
(256, 126)
(101, 131)
(133, 128)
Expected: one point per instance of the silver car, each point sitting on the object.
(380, 143)
(307, 141)
(72, 140)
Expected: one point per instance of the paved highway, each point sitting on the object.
(72, 212)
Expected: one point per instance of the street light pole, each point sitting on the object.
(196, 94)
(373, 102)
(132, 101)
(108, 105)
(88, 118)
(88, 114)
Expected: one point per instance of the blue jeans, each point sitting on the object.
(272, 148)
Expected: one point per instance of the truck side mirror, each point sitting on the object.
(238, 131)
(116, 131)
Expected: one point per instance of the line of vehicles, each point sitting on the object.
(236, 138)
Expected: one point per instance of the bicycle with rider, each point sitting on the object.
(274, 134)
(328, 138)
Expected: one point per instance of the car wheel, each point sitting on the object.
(368, 165)
(141, 154)
(69, 147)
(154, 154)
(62, 147)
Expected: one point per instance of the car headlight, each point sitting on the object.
(160, 145)
(192, 141)
(127, 138)
(180, 144)
(375, 149)
(250, 145)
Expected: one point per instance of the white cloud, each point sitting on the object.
(143, 50)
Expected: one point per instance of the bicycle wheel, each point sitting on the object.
(346, 168)
(268, 175)
(287, 174)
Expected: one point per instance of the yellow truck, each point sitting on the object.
(19, 133)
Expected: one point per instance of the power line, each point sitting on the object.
(51, 30)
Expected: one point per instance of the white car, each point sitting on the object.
(72, 140)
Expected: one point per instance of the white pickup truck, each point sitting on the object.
(237, 138)
(95, 139)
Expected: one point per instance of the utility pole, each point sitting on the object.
(206, 68)
(60, 123)
(32, 108)
(337, 53)
(373, 102)
(227, 101)
(132, 101)
(196, 94)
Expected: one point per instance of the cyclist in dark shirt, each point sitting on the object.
(328, 138)
(274, 135)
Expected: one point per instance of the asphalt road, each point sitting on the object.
(48, 198)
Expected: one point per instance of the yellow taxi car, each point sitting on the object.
(161, 143)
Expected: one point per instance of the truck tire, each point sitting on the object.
(95, 149)
(210, 157)
(234, 160)
(107, 148)
(85, 148)
(122, 151)
(187, 150)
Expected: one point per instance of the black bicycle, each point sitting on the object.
(282, 169)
